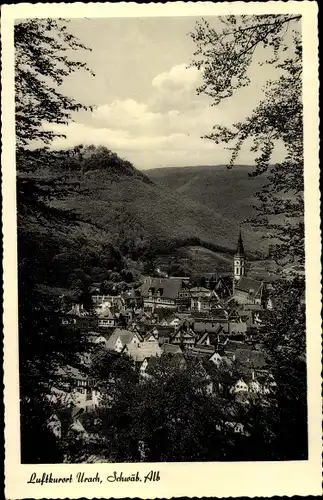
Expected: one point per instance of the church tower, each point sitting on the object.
(239, 260)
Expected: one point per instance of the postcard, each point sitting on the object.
(162, 296)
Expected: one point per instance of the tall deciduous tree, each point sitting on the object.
(43, 50)
(43, 57)
(167, 417)
(225, 56)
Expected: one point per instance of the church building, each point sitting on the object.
(245, 290)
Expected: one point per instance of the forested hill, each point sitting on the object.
(122, 214)
(226, 192)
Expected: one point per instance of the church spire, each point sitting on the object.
(239, 261)
(240, 249)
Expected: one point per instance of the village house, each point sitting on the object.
(248, 291)
(109, 300)
(248, 358)
(184, 296)
(184, 336)
(120, 338)
(173, 321)
(210, 324)
(152, 335)
(223, 287)
(161, 293)
(200, 299)
(164, 333)
(132, 298)
(145, 349)
(215, 358)
(239, 386)
(253, 385)
(147, 364)
(106, 319)
(79, 317)
(76, 389)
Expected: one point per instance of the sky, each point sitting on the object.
(146, 107)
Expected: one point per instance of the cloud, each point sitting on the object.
(121, 140)
(164, 131)
(128, 114)
(176, 89)
(178, 78)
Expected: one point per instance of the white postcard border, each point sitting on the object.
(177, 479)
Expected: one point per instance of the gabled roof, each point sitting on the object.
(225, 280)
(184, 330)
(201, 351)
(201, 326)
(169, 287)
(248, 284)
(213, 337)
(165, 330)
(125, 336)
(149, 334)
(152, 361)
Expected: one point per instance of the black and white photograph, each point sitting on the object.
(161, 240)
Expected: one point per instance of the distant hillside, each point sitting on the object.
(226, 192)
(124, 214)
(179, 203)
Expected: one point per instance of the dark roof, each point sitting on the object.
(213, 337)
(169, 287)
(218, 312)
(201, 351)
(249, 358)
(183, 330)
(224, 280)
(165, 329)
(240, 249)
(247, 284)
